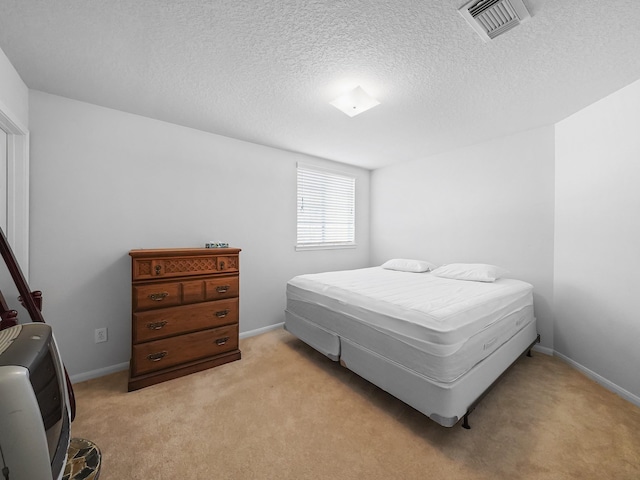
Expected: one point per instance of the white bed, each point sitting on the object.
(435, 343)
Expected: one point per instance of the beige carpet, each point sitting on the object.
(286, 412)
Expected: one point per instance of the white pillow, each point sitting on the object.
(477, 272)
(407, 265)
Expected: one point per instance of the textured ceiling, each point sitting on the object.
(265, 71)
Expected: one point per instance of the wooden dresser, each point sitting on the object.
(185, 306)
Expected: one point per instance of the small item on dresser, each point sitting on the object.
(216, 245)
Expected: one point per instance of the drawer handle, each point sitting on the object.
(221, 265)
(223, 313)
(156, 357)
(223, 288)
(156, 325)
(158, 297)
(158, 269)
(222, 341)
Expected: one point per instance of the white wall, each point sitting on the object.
(597, 239)
(14, 94)
(105, 182)
(487, 203)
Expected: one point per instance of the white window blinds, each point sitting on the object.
(326, 208)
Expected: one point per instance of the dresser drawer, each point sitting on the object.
(158, 295)
(171, 321)
(223, 287)
(152, 268)
(192, 291)
(168, 352)
(161, 264)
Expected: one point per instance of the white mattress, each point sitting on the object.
(437, 327)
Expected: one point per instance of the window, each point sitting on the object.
(326, 209)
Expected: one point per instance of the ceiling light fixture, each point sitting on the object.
(354, 102)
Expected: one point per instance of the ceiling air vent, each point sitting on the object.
(491, 18)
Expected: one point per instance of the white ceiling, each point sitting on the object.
(265, 71)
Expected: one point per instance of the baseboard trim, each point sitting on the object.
(258, 331)
(609, 385)
(599, 379)
(545, 350)
(100, 372)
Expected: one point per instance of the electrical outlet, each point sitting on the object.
(100, 335)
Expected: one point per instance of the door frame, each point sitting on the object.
(17, 186)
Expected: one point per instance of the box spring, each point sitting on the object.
(445, 403)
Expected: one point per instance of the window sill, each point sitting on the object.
(302, 248)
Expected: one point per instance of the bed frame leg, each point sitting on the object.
(465, 421)
(537, 341)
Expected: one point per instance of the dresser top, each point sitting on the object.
(178, 252)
